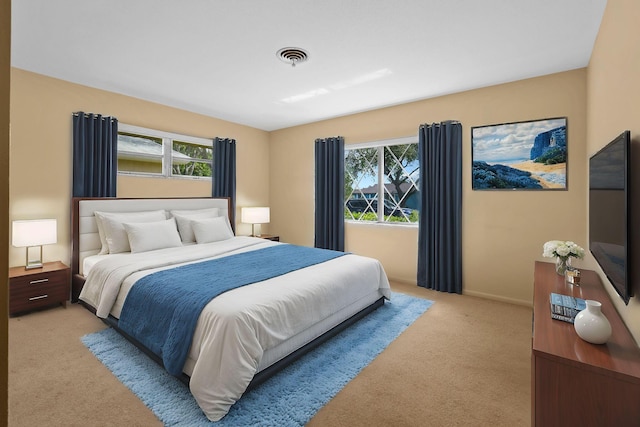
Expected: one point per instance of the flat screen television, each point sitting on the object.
(609, 218)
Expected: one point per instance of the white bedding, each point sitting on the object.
(236, 328)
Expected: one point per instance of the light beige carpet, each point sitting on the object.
(465, 362)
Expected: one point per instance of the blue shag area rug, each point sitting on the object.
(289, 398)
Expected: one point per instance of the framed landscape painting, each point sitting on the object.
(529, 155)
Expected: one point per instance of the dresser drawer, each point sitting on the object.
(35, 290)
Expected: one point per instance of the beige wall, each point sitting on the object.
(41, 149)
(613, 86)
(503, 231)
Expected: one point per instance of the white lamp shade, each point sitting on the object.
(259, 215)
(34, 232)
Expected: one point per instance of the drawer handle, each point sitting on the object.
(39, 297)
(35, 282)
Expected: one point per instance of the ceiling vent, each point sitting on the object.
(292, 55)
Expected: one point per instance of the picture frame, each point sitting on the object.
(525, 155)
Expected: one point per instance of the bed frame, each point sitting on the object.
(86, 242)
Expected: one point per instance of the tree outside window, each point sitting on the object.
(198, 162)
(387, 172)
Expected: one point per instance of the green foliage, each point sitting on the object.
(193, 169)
(412, 218)
(373, 217)
(348, 186)
(553, 156)
(196, 152)
(359, 216)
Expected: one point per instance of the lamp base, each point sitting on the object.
(34, 262)
(33, 265)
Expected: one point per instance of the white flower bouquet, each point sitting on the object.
(562, 249)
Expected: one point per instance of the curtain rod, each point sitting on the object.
(77, 113)
(448, 122)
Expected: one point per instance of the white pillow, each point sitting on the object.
(149, 236)
(103, 239)
(115, 236)
(212, 211)
(183, 218)
(212, 229)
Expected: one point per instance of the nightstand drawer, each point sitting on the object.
(25, 298)
(40, 279)
(34, 289)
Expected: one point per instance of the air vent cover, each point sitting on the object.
(292, 55)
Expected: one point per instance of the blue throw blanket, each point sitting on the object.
(162, 309)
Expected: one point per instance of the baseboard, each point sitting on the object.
(498, 298)
(474, 294)
(403, 282)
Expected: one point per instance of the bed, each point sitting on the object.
(289, 301)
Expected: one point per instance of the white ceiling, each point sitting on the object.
(218, 58)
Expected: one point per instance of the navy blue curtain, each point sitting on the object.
(95, 155)
(440, 224)
(329, 213)
(224, 172)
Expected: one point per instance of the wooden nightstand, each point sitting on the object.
(269, 237)
(39, 287)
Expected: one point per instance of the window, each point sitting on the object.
(384, 170)
(150, 152)
(190, 159)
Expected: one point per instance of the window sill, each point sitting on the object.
(381, 224)
(179, 177)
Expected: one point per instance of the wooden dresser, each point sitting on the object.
(573, 382)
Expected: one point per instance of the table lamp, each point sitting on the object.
(32, 234)
(255, 215)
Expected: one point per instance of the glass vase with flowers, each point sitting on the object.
(562, 251)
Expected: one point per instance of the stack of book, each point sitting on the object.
(565, 307)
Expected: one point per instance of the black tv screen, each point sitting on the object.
(609, 212)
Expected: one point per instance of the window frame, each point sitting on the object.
(167, 147)
(381, 177)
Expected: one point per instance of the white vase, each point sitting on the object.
(591, 325)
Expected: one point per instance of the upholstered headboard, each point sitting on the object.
(86, 240)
